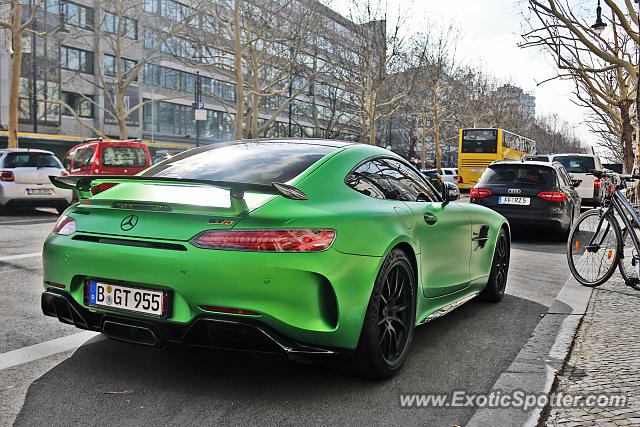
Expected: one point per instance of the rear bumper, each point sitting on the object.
(16, 194)
(318, 298)
(205, 331)
(532, 218)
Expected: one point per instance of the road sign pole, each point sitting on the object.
(198, 100)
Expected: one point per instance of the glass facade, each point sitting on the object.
(175, 119)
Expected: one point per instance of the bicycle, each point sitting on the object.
(597, 244)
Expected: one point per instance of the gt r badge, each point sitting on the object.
(220, 221)
(129, 222)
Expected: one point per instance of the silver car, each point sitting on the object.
(24, 179)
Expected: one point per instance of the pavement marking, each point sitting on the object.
(30, 255)
(44, 349)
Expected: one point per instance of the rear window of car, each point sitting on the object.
(31, 160)
(123, 157)
(518, 174)
(251, 163)
(576, 164)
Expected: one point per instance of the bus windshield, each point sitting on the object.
(480, 141)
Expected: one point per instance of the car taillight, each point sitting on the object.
(65, 226)
(479, 192)
(596, 183)
(6, 176)
(553, 196)
(458, 179)
(266, 240)
(64, 173)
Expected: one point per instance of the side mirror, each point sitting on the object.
(450, 192)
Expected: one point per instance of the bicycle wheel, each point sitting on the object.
(593, 252)
(628, 265)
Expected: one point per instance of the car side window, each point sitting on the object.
(66, 162)
(77, 158)
(365, 180)
(88, 155)
(417, 189)
(565, 180)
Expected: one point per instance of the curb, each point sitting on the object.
(534, 369)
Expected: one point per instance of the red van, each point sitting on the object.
(98, 157)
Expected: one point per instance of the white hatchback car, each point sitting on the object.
(450, 175)
(24, 179)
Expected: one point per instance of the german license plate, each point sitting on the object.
(508, 200)
(147, 302)
(40, 191)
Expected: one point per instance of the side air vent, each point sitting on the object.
(128, 242)
(141, 206)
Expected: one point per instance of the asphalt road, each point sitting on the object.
(108, 382)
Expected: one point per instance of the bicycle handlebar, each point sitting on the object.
(605, 174)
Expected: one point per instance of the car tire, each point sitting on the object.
(497, 283)
(382, 350)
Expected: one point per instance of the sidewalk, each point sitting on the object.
(604, 359)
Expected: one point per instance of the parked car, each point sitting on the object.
(450, 175)
(434, 178)
(242, 247)
(579, 167)
(98, 157)
(24, 179)
(530, 195)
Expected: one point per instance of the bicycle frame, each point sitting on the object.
(622, 207)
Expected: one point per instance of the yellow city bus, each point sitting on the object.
(479, 147)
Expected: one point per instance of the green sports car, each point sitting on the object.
(304, 248)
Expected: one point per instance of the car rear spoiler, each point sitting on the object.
(83, 184)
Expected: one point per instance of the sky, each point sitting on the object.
(491, 31)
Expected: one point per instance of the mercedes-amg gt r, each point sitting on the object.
(305, 248)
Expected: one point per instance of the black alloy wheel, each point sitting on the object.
(394, 313)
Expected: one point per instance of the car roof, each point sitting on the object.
(574, 154)
(527, 163)
(23, 150)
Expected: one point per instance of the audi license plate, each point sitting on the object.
(40, 191)
(129, 299)
(508, 200)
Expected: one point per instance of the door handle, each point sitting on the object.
(430, 218)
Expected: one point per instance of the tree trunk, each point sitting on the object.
(237, 64)
(121, 119)
(436, 116)
(424, 141)
(14, 88)
(626, 136)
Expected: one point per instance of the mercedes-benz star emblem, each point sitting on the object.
(129, 222)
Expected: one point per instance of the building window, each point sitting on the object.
(128, 27)
(78, 15)
(76, 59)
(110, 66)
(176, 119)
(82, 106)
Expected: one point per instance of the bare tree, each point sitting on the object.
(259, 46)
(591, 59)
(365, 66)
(16, 24)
